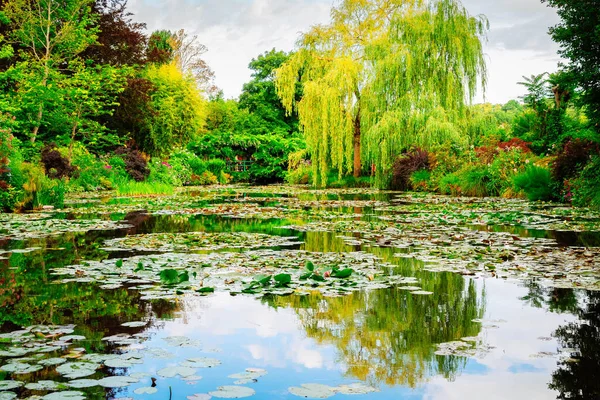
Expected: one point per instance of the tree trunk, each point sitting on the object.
(357, 160)
(36, 128)
(73, 133)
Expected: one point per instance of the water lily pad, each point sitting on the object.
(232, 392)
(201, 362)
(21, 368)
(67, 395)
(313, 391)
(83, 383)
(200, 396)
(7, 395)
(117, 381)
(171, 372)
(10, 385)
(74, 370)
(145, 390)
(135, 324)
(356, 388)
(250, 375)
(46, 386)
(48, 362)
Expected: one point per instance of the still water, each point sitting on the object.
(526, 340)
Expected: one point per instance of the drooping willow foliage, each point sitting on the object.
(383, 75)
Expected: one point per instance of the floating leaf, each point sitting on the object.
(232, 392)
(117, 381)
(10, 385)
(171, 372)
(74, 370)
(313, 390)
(343, 274)
(68, 395)
(83, 383)
(145, 390)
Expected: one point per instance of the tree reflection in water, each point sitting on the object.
(389, 336)
(578, 378)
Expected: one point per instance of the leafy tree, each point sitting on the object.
(121, 41)
(89, 93)
(386, 73)
(259, 96)
(160, 49)
(187, 55)
(50, 34)
(178, 110)
(579, 38)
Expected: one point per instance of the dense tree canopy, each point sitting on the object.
(381, 76)
(579, 37)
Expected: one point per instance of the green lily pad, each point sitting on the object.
(21, 368)
(232, 392)
(7, 395)
(313, 391)
(117, 381)
(356, 388)
(201, 362)
(74, 370)
(67, 395)
(46, 386)
(200, 396)
(10, 385)
(134, 324)
(171, 372)
(48, 362)
(145, 390)
(83, 383)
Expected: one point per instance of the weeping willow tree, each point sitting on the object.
(383, 75)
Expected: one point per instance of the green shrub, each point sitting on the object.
(450, 184)
(206, 178)
(420, 180)
(300, 176)
(586, 187)
(133, 188)
(536, 182)
(477, 181)
(163, 173)
(215, 166)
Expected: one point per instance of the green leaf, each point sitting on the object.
(169, 277)
(345, 273)
(310, 266)
(283, 279)
(263, 280)
(119, 263)
(206, 290)
(305, 276)
(317, 277)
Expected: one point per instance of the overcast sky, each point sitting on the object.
(235, 31)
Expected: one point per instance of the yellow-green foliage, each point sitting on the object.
(179, 109)
(401, 70)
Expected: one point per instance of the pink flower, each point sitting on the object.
(166, 164)
(108, 167)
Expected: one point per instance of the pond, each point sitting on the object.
(285, 293)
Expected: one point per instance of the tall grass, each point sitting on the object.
(536, 182)
(133, 188)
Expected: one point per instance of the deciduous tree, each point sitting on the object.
(382, 75)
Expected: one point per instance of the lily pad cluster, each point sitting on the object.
(198, 241)
(471, 252)
(320, 391)
(260, 272)
(29, 226)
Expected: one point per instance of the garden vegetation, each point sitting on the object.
(89, 101)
